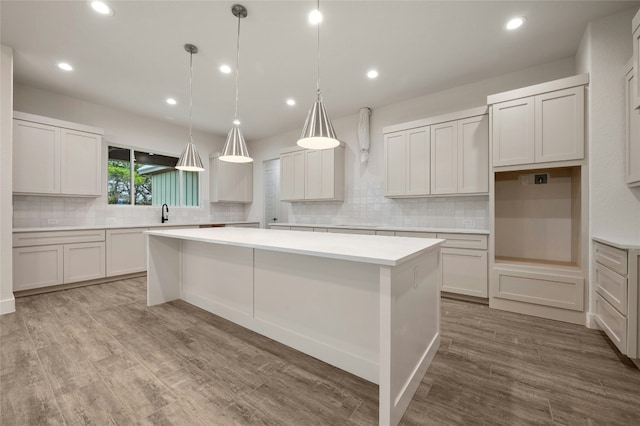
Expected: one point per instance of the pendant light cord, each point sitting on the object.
(235, 116)
(318, 81)
(190, 92)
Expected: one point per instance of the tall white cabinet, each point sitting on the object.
(538, 247)
(67, 157)
(444, 155)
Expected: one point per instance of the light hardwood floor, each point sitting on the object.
(99, 355)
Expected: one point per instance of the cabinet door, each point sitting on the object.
(512, 140)
(286, 176)
(231, 182)
(126, 251)
(559, 126)
(35, 267)
(80, 163)
(327, 174)
(473, 155)
(313, 178)
(85, 261)
(444, 158)
(418, 161)
(36, 158)
(636, 58)
(395, 157)
(298, 175)
(464, 272)
(632, 137)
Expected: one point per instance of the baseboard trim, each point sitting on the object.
(464, 297)
(8, 306)
(42, 290)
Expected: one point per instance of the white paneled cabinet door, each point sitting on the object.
(465, 272)
(35, 267)
(444, 158)
(329, 173)
(230, 182)
(80, 163)
(126, 251)
(473, 155)
(559, 126)
(286, 176)
(395, 154)
(418, 161)
(84, 261)
(299, 173)
(313, 178)
(632, 137)
(635, 25)
(36, 154)
(513, 132)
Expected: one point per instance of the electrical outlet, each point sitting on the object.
(407, 221)
(467, 222)
(541, 179)
(53, 221)
(111, 220)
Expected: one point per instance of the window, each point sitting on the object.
(153, 177)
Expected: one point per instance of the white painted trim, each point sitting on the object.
(458, 115)
(635, 22)
(592, 322)
(17, 115)
(538, 89)
(7, 306)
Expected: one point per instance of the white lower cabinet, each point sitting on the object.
(43, 259)
(35, 267)
(83, 262)
(464, 271)
(126, 251)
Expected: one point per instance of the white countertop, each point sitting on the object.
(624, 243)
(359, 248)
(389, 228)
(116, 226)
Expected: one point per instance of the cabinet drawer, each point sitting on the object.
(612, 287)
(612, 322)
(415, 234)
(611, 257)
(352, 231)
(26, 239)
(302, 228)
(280, 227)
(386, 233)
(555, 290)
(465, 241)
(319, 229)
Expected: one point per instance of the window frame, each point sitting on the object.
(132, 150)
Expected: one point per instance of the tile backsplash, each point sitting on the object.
(366, 205)
(39, 211)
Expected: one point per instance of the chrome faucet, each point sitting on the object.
(165, 213)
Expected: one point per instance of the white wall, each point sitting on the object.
(7, 301)
(614, 208)
(364, 201)
(121, 128)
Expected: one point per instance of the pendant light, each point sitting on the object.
(318, 131)
(190, 160)
(235, 149)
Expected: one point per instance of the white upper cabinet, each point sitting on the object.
(444, 158)
(230, 182)
(513, 132)
(310, 175)
(632, 137)
(448, 154)
(539, 124)
(635, 25)
(473, 155)
(407, 164)
(56, 157)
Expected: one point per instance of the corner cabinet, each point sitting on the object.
(539, 124)
(230, 182)
(632, 132)
(444, 155)
(67, 157)
(312, 175)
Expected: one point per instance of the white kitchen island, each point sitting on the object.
(369, 305)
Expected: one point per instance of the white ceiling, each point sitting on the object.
(135, 60)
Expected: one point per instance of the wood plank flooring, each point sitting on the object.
(98, 355)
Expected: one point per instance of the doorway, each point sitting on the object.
(273, 209)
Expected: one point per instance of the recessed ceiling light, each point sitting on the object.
(372, 74)
(171, 101)
(291, 102)
(315, 17)
(514, 23)
(225, 69)
(65, 66)
(236, 122)
(102, 8)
